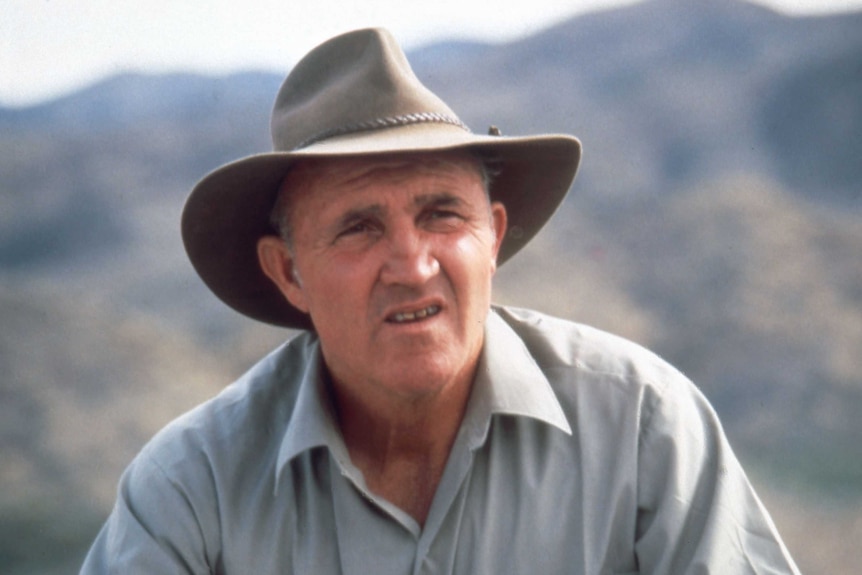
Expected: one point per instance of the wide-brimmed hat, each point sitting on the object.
(355, 95)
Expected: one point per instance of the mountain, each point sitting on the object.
(717, 219)
(82, 388)
(665, 92)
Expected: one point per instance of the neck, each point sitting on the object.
(400, 444)
(402, 429)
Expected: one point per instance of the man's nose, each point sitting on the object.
(408, 259)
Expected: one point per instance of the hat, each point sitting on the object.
(355, 95)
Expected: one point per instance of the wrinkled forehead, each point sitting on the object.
(310, 174)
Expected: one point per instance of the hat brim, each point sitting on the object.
(228, 211)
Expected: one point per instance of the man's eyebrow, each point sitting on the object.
(438, 199)
(355, 215)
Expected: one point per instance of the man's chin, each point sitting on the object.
(424, 374)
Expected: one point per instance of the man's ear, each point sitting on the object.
(500, 220)
(279, 265)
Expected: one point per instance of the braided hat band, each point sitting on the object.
(380, 123)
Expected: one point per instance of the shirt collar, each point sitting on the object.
(508, 381)
(312, 423)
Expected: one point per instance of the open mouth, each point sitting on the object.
(411, 316)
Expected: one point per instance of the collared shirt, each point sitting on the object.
(579, 453)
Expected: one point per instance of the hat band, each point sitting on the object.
(387, 122)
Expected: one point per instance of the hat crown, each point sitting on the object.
(354, 82)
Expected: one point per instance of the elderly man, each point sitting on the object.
(413, 427)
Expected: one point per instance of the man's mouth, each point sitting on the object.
(410, 316)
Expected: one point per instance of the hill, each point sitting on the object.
(82, 389)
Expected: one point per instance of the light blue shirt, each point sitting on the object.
(579, 453)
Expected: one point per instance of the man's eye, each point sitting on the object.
(443, 215)
(444, 220)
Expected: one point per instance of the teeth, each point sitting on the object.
(403, 317)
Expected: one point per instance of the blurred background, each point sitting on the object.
(717, 219)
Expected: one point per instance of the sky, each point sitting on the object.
(51, 47)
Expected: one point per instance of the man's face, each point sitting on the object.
(393, 260)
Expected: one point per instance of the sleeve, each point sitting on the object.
(697, 511)
(155, 528)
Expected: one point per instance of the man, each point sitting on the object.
(413, 427)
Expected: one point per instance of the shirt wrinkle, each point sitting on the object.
(181, 492)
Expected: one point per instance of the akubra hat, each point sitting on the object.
(355, 95)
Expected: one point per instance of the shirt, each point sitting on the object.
(579, 453)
